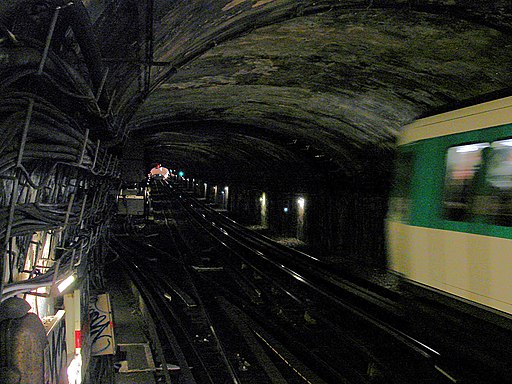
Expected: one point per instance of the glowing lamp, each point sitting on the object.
(66, 283)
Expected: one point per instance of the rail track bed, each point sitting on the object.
(231, 306)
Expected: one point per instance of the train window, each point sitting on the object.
(496, 200)
(400, 199)
(463, 163)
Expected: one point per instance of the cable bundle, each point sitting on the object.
(56, 173)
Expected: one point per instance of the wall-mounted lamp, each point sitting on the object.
(66, 283)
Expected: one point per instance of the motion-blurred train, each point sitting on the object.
(450, 215)
(159, 172)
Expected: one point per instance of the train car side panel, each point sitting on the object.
(470, 266)
(425, 192)
(398, 245)
(485, 115)
(450, 218)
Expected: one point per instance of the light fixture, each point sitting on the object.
(301, 202)
(66, 283)
(74, 370)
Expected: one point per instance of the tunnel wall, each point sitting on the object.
(245, 206)
(337, 225)
(132, 166)
(348, 227)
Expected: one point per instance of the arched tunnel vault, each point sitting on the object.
(338, 84)
(252, 156)
(294, 102)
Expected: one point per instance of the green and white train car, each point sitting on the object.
(450, 215)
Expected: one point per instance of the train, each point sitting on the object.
(159, 172)
(449, 222)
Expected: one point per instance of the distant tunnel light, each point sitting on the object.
(285, 209)
(66, 283)
(301, 202)
(181, 173)
(159, 171)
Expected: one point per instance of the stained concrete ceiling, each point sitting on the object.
(303, 91)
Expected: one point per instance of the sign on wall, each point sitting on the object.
(101, 327)
(55, 356)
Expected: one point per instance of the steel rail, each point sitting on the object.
(215, 299)
(145, 289)
(156, 288)
(424, 356)
(180, 246)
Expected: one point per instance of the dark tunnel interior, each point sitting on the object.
(285, 96)
(297, 101)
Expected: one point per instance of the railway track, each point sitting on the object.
(196, 322)
(274, 315)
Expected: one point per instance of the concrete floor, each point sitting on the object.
(131, 340)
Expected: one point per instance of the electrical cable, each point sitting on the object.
(64, 181)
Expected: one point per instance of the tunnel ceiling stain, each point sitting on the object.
(277, 85)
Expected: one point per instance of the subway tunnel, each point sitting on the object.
(295, 99)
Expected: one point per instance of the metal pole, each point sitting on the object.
(96, 155)
(149, 47)
(66, 220)
(108, 164)
(48, 40)
(81, 218)
(84, 146)
(102, 84)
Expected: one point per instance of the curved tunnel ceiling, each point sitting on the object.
(322, 92)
